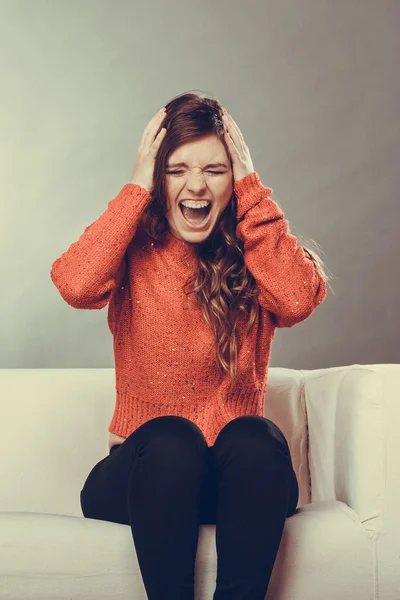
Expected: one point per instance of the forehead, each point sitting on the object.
(205, 150)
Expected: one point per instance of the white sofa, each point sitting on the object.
(343, 429)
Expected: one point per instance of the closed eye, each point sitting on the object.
(213, 172)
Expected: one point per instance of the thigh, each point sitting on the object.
(293, 495)
(262, 435)
(104, 495)
(209, 496)
(278, 434)
(293, 483)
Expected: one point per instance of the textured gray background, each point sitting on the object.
(314, 87)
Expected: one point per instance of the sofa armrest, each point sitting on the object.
(348, 409)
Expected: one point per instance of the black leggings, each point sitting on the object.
(164, 481)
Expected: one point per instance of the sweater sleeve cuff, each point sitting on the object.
(250, 191)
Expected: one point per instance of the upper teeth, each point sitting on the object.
(192, 204)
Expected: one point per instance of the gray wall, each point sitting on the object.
(314, 87)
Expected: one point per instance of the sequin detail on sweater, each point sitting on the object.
(164, 351)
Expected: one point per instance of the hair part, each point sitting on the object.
(224, 287)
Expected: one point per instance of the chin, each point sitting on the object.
(195, 237)
(191, 236)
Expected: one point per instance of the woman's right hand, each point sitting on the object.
(143, 172)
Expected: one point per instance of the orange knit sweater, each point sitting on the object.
(164, 351)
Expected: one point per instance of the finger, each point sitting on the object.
(151, 130)
(154, 124)
(231, 143)
(159, 138)
(150, 125)
(234, 129)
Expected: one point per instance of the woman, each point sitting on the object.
(189, 444)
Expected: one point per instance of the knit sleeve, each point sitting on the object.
(88, 272)
(290, 286)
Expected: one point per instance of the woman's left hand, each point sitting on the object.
(241, 160)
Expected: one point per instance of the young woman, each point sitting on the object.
(189, 444)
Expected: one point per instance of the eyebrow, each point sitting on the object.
(183, 164)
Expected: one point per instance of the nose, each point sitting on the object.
(196, 182)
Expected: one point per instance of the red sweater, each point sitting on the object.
(163, 348)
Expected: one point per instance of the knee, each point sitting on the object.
(171, 436)
(254, 433)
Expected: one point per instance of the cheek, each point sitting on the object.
(221, 186)
(172, 189)
(226, 192)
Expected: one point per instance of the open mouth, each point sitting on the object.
(196, 217)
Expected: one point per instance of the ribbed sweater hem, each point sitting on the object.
(130, 412)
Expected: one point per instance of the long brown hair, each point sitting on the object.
(223, 285)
